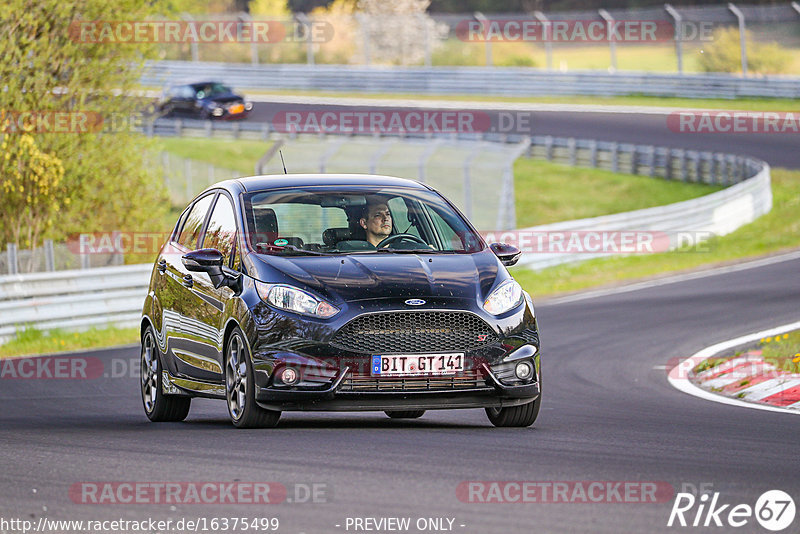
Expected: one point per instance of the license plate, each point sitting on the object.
(236, 108)
(417, 364)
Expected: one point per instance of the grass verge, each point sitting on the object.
(239, 154)
(549, 192)
(776, 231)
(782, 351)
(31, 341)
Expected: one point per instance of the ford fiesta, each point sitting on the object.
(335, 292)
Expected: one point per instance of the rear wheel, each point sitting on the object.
(157, 406)
(405, 414)
(240, 387)
(515, 416)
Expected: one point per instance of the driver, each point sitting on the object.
(376, 220)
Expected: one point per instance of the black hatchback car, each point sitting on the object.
(335, 292)
(207, 100)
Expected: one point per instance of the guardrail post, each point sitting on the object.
(652, 154)
(615, 157)
(11, 252)
(593, 153)
(684, 170)
(209, 127)
(178, 125)
(742, 40)
(668, 172)
(678, 34)
(612, 43)
(265, 131)
(548, 148)
(548, 39)
(49, 256)
(634, 160)
(150, 128)
(237, 130)
(698, 176)
(485, 27)
(572, 147)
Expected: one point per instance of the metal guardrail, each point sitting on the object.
(505, 81)
(73, 299)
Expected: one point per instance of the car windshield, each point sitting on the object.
(213, 89)
(322, 220)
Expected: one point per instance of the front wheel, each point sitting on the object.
(515, 416)
(157, 406)
(240, 387)
(405, 414)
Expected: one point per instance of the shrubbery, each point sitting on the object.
(723, 54)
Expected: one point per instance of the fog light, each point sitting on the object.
(523, 370)
(289, 376)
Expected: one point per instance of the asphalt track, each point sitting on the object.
(779, 150)
(608, 414)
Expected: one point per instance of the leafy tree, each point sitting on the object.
(32, 189)
(48, 67)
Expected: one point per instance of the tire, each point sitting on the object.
(240, 387)
(405, 414)
(157, 406)
(515, 416)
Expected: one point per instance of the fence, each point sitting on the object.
(473, 171)
(503, 81)
(451, 39)
(52, 257)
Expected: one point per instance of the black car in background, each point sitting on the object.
(207, 100)
(335, 292)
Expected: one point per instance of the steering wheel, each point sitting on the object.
(397, 237)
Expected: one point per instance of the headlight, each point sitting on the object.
(295, 300)
(506, 297)
(217, 112)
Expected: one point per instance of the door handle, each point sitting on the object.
(162, 266)
(188, 281)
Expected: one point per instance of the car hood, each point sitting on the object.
(373, 276)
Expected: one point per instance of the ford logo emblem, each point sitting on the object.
(415, 302)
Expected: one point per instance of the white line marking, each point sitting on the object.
(673, 279)
(679, 381)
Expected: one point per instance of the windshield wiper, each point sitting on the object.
(411, 251)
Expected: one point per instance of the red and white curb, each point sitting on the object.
(759, 384)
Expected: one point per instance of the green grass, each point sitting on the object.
(239, 155)
(779, 230)
(548, 192)
(782, 351)
(30, 341)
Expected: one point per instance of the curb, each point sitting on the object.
(750, 364)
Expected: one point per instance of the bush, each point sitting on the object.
(723, 54)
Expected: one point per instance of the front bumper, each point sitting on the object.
(494, 394)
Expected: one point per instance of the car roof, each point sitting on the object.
(280, 181)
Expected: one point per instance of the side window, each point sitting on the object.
(194, 222)
(221, 232)
(400, 217)
(450, 239)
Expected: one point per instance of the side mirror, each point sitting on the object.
(508, 254)
(209, 260)
(204, 260)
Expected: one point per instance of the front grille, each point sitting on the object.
(468, 380)
(414, 332)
